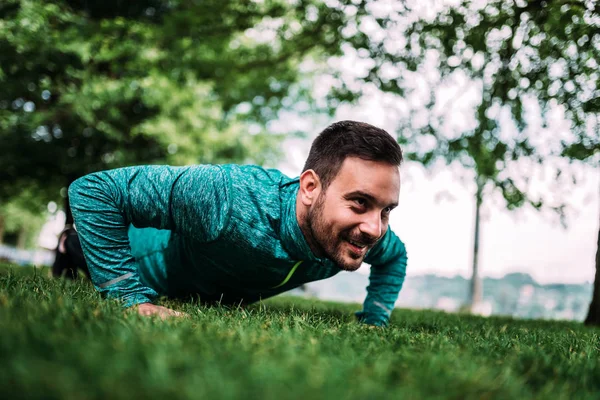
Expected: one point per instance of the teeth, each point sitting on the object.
(356, 244)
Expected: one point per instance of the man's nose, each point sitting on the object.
(372, 225)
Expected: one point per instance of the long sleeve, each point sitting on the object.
(388, 261)
(189, 200)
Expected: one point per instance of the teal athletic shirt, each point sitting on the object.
(226, 233)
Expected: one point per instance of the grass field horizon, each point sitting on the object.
(60, 340)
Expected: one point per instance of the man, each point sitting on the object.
(237, 234)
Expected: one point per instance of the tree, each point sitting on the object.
(91, 85)
(22, 216)
(593, 317)
(515, 58)
(584, 152)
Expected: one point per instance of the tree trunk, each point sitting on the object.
(593, 317)
(22, 238)
(476, 294)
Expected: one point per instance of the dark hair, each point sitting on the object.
(350, 139)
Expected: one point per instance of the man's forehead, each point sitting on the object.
(374, 179)
(385, 197)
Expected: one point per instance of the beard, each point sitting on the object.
(331, 245)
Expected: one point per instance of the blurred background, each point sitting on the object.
(495, 103)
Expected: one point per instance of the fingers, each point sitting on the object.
(150, 310)
(173, 313)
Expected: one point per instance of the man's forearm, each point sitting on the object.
(385, 284)
(96, 203)
(388, 270)
(192, 201)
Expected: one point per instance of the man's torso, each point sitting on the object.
(251, 258)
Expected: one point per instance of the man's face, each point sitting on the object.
(353, 213)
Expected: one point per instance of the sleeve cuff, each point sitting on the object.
(372, 318)
(134, 299)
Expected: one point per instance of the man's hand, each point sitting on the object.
(149, 309)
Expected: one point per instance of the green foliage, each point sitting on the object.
(60, 340)
(22, 210)
(22, 214)
(516, 53)
(91, 85)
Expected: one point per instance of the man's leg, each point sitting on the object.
(69, 256)
(75, 251)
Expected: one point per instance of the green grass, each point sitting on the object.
(59, 340)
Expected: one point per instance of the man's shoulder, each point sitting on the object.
(255, 176)
(258, 196)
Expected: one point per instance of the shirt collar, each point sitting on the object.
(291, 235)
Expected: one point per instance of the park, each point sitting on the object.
(494, 104)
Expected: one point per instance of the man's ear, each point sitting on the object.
(310, 187)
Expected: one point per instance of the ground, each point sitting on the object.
(60, 340)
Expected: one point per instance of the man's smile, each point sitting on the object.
(357, 249)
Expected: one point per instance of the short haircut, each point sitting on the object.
(350, 139)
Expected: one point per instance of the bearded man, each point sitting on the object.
(235, 234)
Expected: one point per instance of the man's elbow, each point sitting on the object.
(85, 190)
(76, 191)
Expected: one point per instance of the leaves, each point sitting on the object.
(91, 85)
(511, 54)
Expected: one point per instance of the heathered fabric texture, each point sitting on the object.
(226, 233)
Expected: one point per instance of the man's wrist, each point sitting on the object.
(370, 318)
(134, 300)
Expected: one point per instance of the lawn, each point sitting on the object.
(60, 340)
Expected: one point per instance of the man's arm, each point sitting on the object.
(388, 268)
(189, 200)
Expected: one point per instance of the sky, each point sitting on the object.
(439, 232)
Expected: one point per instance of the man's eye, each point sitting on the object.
(387, 210)
(360, 202)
